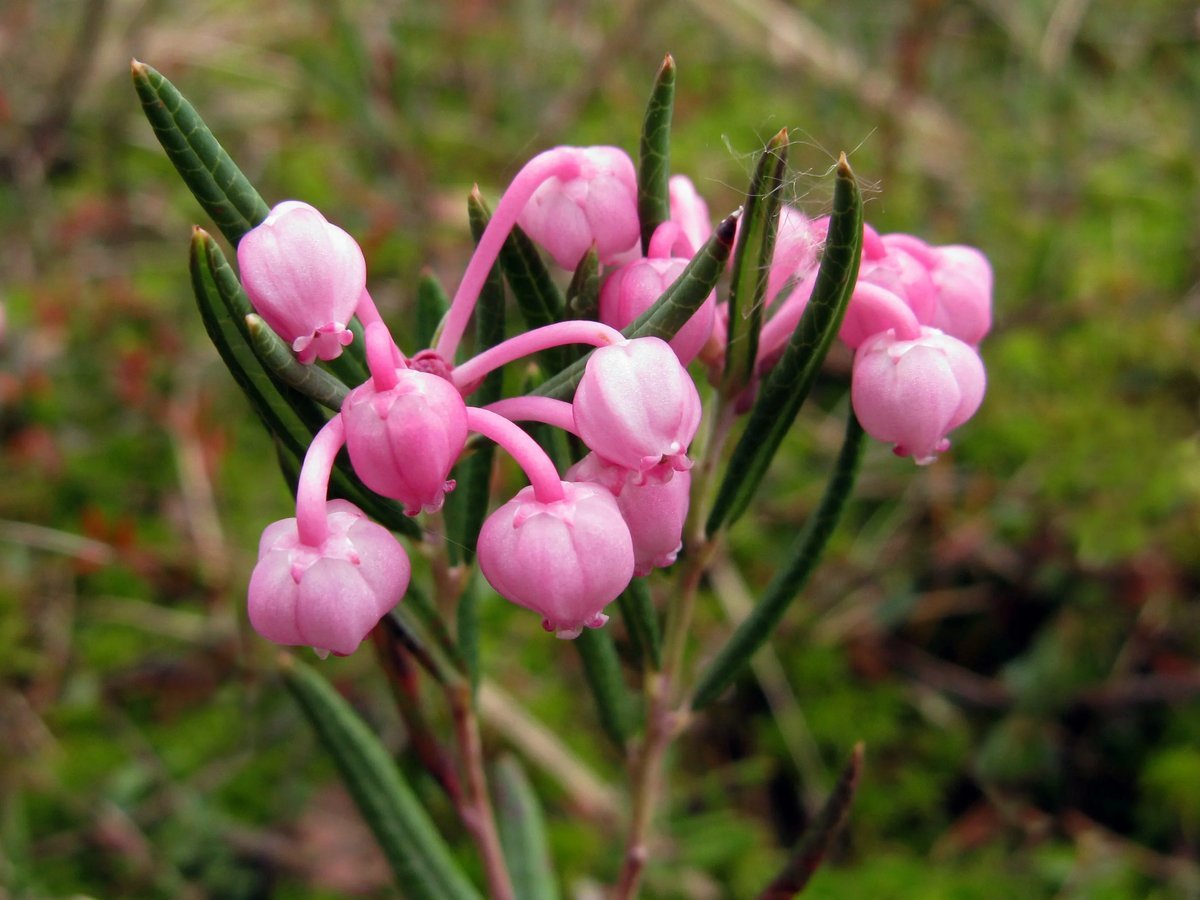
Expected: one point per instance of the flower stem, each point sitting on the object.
(544, 166)
(573, 331)
(558, 413)
(547, 487)
(312, 489)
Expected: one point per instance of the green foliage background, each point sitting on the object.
(1013, 632)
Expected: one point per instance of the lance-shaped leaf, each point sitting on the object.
(791, 577)
(641, 621)
(602, 671)
(752, 264)
(432, 305)
(312, 381)
(670, 312)
(583, 293)
(787, 385)
(522, 832)
(814, 844)
(538, 297)
(215, 180)
(422, 862)
(654, 154)
(290, 416)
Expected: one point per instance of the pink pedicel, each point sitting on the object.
(328, 596)
(962, 280)
(304, 276)
(597, 206)
(912, 393)
(565, 560)
(633, 288)
(403, 439)
(636, 406)
(653, 504)
(874, 309)
(905, 272)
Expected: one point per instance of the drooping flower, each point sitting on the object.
(636, 406)
(565, 560)
(597, 206)
(689, 212)
(653, 504)
(404, 439)
(304, 276)
(962, 280)
(635, 286)
(912, 393)
(328, 596)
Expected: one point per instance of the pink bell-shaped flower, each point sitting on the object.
(597, 206)
(636, 406)
(304, 276)
(912, 393)
(962, 280)
(403, 440)
(689, 212)
(798, 240)
(653, 504)
(633, 288)
(565, 560)
(329, 596)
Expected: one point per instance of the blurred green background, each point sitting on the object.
(1013, 632)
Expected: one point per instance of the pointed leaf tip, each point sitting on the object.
(727, 230)
(843, 166)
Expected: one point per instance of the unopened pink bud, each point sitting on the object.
(404, 440)
(636, 406)
(565, 560)
(328, 597)
(653, 504)
(598, 206)
(633, 289)
(904, 271)
(962, 280)
(798, 241)
(912, 393)
(304, 276)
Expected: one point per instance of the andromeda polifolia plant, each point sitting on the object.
(636, 466)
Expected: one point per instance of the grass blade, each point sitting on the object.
(424, 867)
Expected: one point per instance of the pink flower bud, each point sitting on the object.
(912, 393)
(905, 272)
(689, 212)
(633, 288)
(797, 242)
(636, 406)
(653, 504)
(330, 596)
(404, 440)
(597, 206)
(304, 277)
(962, 280)
(873, 310)
(565, 560)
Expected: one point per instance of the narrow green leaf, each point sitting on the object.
(312, 381)
(216, 182)
(752, 264)
(814, 844)
(522, 832)
(432, 305)
(602, 671)
(654, 156)
(641, 621)
(790, 579)
(293, 417)
(787, 385)
(419, 857)
(583, 293)
(670, 311)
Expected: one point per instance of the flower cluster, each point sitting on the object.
(568, 544)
